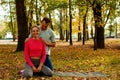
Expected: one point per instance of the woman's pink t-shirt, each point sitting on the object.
(34, 48)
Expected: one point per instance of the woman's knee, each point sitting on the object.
(47, 71)
(50, 73)
(28, 74)
(28, 71)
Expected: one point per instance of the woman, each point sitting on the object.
(35, 55)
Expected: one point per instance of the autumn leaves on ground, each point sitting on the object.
(79, 58)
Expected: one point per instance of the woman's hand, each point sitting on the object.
(39, 68)
(34, 69)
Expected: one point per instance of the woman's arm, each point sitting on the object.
(43, 57)
(26, 54)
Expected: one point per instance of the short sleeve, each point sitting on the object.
(52, 37)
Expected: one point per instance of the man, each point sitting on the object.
(48, 38)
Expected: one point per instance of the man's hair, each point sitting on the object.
(47, 20)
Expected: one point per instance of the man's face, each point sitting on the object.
(44, 25)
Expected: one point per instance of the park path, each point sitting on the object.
(59, 43)
(7, 42)
(84, 75)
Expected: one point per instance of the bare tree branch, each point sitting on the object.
(107, 16)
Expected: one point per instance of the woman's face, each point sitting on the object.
(35, 32)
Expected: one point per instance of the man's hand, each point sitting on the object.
(51, 44)
(44, 41)
(27, 39)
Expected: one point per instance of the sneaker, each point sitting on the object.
(22, 71)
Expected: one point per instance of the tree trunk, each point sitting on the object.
(21, 23)
(11, 25)
(99, 29)
(91, 32)
(84, 26)
(66, 20)
(36, 8)
(51, 22)
(79, 34)
(30, 21)
(110, 32)
(40, 8)
(100, 37)
(92, 29)
(30, 15)
(87, 33)
(61, 29)
(70, 22)
(116, 30)
(67, 35)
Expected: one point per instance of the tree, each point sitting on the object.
(51, 25)
(61, 27)
(12, 23)
(60, 6)
(111, 29)
(84, 26)
(100, 19)
(99, 29)
(21, 23)
(66, 25)
(10, 18)
(80, 4)
(79, 27)
(70, 25)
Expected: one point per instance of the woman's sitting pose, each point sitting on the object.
(35, 55)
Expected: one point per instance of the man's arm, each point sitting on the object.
(51, 44)
(52, 38)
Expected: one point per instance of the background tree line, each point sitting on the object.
(86, 18)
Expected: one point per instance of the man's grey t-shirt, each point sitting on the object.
(49, 36)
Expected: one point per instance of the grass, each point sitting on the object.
(80, 58)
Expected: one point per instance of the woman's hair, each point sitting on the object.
(34, 27)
